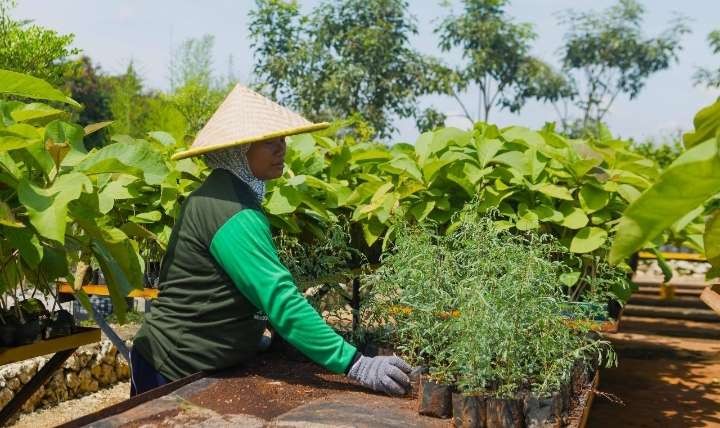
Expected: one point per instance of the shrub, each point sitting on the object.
(482, 308)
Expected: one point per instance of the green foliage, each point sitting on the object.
(63, 208)
(342, 58)
(195, 93)
(52, 217)
(705, 76)
(87, 85)
(483, 309)
(678, 194)
(575, 190)
(498, 60)
(127, 103)
(32, 49)
(663, 152)
(607, 55)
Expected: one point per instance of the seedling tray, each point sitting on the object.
(83, 336)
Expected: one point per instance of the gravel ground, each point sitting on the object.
(73, 409)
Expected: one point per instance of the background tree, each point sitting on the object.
(606, 54)
(705, 76)
(128, 103)
(344, 57)
(31, 49)
(496, 53)
(194, 92)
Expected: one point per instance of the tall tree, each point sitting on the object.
(607, 55)
(344, 58)
(705, 76)
(195, 92)
(496, 54)
(128, 103)
(31, 49)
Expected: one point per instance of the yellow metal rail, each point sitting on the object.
(84, 336)
(102, 290)
(694, 257)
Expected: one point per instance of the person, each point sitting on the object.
(221, 271)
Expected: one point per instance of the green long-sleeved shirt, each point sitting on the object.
(220, 270)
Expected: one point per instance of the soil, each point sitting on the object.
(271, 387)
(668, 375)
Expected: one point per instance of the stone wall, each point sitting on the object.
(87, 370)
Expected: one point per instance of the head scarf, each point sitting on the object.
(235, 160)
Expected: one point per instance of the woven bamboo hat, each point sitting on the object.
(247, 117)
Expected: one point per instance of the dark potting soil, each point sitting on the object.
(272, 386)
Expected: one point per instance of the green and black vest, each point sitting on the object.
(220, 270)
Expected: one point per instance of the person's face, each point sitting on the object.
(266, 158)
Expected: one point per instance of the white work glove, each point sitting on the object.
(382, 374)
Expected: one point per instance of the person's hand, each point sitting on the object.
(382, 374)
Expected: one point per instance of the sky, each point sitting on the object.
(113, 32)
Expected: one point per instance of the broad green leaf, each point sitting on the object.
(534, 165)
(628, 192)
(403, 165)
(529, 138)
(370, 155)
(95, 127)
(137, 158)
(574, 218)
(283, 200)
(592, 198)
(27, 86)
(681, 224)
(34, 111)
(711, 238)
(664, 266)
(546, 213)
(555, 191)
(372, 230)
(163, 138)
(516, 160)
(9, 142)
(706, 124)
(422, 209)
(528, 221)
(588, 239)
(47, 208)
(27, 242)
(569, 279)
(682, 187)
(487, 149)
(7, 218)
(148, 217)
(64, 142)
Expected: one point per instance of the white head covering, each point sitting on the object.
(235, 160)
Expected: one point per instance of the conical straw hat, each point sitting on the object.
(247, 117)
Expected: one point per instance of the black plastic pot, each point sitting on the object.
(506, 413)
(61, 323)
(435, 399)
(30, 332)
(469, 411)
(543, 412)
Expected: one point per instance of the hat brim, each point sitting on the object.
(254, 139)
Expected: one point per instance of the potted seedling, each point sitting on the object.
(486, 313)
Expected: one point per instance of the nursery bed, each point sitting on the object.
(272, 389)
